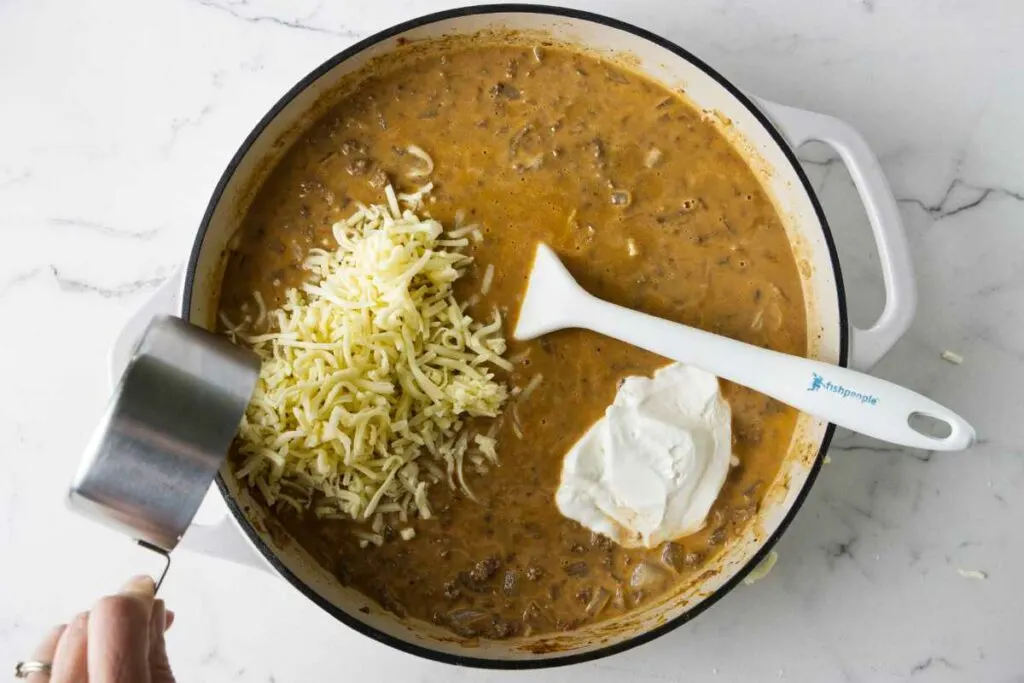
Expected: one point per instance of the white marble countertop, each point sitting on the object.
(117, 117)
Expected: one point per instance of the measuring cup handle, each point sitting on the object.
(221, 538)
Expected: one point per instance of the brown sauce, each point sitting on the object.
(597, 162)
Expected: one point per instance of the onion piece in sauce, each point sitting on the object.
(598, 602)
(428, 162)
(647, 576)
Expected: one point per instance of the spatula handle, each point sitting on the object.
(848, 398)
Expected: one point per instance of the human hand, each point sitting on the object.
(121, 640)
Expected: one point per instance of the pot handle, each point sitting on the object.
(221, 538)
(799, 126)
(163, 301)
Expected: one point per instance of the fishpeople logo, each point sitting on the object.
(818, 383)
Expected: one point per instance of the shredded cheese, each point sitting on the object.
(459, 233)
(370, 371)
(485, 286)
(261, 307)
(519, 357)
(972, 574)
(517, 426)
(762, 569)
(952, 357)
(532, 386)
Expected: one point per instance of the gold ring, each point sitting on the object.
(26, 669)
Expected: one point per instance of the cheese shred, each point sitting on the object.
(371, 373)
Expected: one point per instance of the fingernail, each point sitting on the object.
(80, 622)
(169, 620)
(140, 585)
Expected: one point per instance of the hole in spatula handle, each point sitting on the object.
(929, 425)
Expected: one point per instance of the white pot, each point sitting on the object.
(766, 133)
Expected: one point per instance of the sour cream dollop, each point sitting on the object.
(651, 468)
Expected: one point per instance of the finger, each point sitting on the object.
(157, 623)
(69, 662)
(142, 586)
(118, 634)
(45, 652)
(159, 667)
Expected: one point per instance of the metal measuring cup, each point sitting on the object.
(164, 434)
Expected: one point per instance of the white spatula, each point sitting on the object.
(862, 403)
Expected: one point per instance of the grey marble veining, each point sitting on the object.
(117, 118)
